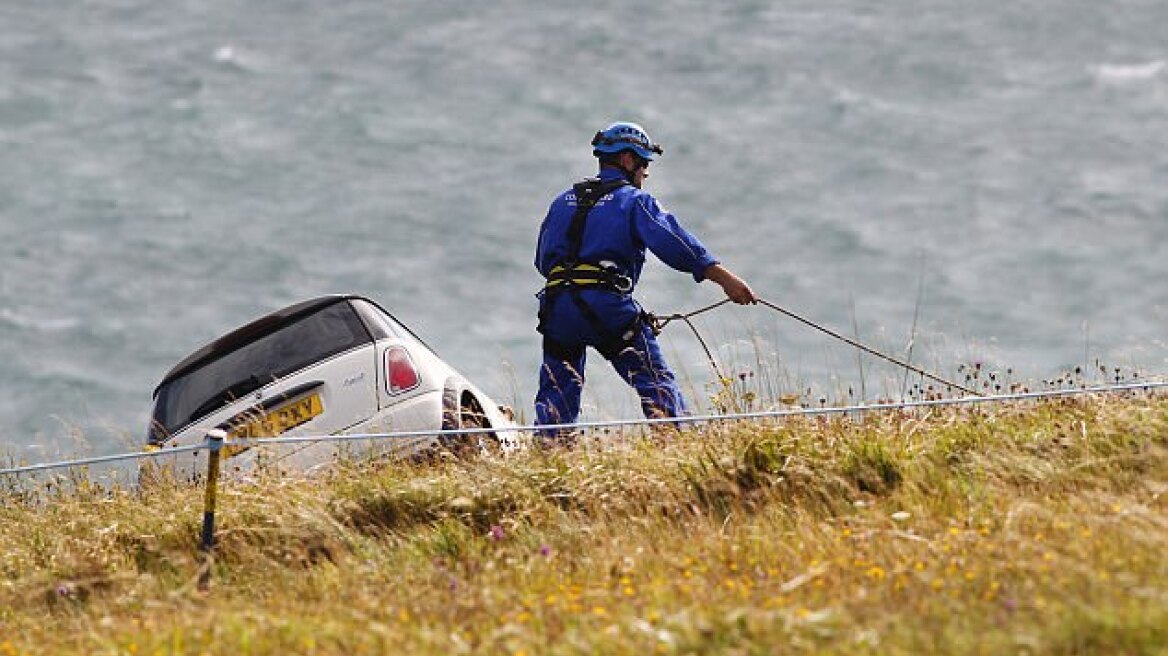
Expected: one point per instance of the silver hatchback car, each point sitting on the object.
(329, 365)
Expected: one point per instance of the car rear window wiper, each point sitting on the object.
(230, 393)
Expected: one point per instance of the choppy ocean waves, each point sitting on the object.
(170, 172)
(1128, 73)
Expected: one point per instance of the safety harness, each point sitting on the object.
(572, 275)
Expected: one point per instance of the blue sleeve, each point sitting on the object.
(666, 239)
(546, 249)
(539, 246)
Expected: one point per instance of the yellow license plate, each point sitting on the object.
(278, 421)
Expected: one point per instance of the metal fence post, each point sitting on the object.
(215, 439)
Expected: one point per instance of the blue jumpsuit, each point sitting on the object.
(618, 229)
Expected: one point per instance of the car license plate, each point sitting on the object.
(277, 421)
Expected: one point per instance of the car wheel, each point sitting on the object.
(463, 411)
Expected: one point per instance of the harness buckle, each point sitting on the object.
(620, 282)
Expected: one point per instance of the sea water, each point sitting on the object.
(954, 183)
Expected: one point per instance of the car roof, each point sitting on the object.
(245, 334)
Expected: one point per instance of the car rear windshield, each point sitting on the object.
(331, 330)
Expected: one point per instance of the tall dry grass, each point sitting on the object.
(1022, 528)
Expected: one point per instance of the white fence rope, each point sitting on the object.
(100, 459)
(591, 425)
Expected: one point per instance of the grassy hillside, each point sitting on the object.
(1025, 528)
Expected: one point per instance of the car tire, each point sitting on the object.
(461, 410)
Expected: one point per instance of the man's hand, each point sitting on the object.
(736, 288)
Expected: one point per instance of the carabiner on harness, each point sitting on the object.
(618, 280)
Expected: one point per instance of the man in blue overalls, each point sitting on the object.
(591, 249)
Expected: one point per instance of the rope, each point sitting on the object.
(866, 349)
(99, 459)
(591, 425)
(659, 324)
(709, 356)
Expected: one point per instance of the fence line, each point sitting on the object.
(215, 440)
(591, 425)
(100, 459)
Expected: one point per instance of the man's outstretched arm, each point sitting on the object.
(736, 288)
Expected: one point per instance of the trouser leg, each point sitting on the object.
(642, 366)
(561, 381)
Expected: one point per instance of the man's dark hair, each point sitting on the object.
(609, 159)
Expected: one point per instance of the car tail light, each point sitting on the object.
(401, 375)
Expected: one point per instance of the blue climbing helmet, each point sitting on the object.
(625, 136)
